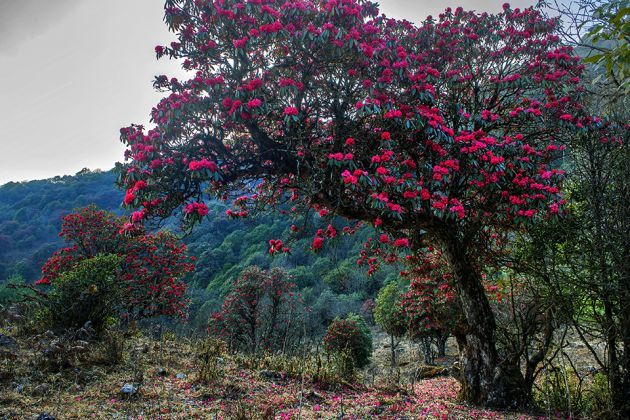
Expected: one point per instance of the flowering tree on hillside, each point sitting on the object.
(443, 132)
(151, 265)
(259, 313)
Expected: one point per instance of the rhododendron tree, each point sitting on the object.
(445, 131)
(151, 268)
(261, 312)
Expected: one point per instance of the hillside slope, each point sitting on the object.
(329, 281)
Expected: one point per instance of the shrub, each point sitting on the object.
(90, 292)
(210, 360)
(564, 391)
(9, 290)
(327, 373)
(350, 335)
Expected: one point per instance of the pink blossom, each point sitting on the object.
(291, 110)
(240, 43)
(196, 165)
(254, 103)
(318, 243)
(402, 242)
(196, 207)
(130, 197)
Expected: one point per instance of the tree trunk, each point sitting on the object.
(486, 379)
(441, 339)
(427, 351)
(621, 396)
(393, 347)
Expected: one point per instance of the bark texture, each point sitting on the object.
(487, 380)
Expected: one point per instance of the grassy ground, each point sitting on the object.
(177, 378)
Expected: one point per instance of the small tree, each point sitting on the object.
(260, 312)
(151, 265)
(389, 315)
(350, 335)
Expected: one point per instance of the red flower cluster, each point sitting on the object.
(196, 165)
(196, 208)
(429, 304)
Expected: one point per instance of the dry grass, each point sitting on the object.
(213, 385)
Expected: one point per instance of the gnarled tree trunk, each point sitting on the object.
(486, 379)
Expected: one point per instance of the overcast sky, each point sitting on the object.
(72, 72)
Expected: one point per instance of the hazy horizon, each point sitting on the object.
(77, 71)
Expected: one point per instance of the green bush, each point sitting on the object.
(562, 391)
(9, 295)
(350, 335)
(88, 292)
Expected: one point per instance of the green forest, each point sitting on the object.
(331, 283)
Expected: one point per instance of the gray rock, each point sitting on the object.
(6, 341)
(128, 389)
(269, 375)
(162, 372)
(591, 369)
(45, 416)
(180, 375)
(40, 390)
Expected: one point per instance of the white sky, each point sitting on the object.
(72, 72)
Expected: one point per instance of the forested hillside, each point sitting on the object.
(329, 281)
(31, 212)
